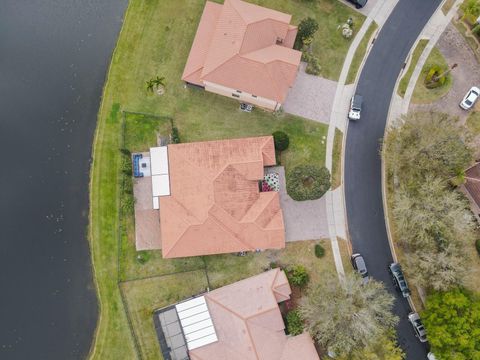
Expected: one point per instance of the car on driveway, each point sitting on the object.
(470, 99)
(358, 3)
(355, 107)
(359, 265)
(398, 279)
(418, 327)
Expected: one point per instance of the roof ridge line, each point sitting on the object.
(262, 209)
(472, 179)
(240, 317)
(226, 229)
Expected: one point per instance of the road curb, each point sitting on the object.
(388, 124)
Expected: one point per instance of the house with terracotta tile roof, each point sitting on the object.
(208, 198)
(244, 51)
(240, 321)
(471, 188)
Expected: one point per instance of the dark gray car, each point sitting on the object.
(398, 279)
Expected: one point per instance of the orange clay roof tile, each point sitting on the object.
(249, 324)
(215, 205)
(236, 46)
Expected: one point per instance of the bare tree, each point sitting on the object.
(349, 316)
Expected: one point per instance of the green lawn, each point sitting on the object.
(155, 40)
(143, 297)
(473, 122)
(447, 6)
(146, 295)
(422, 95)
(337, 159)
(360, 53)
(329, 46)
(402, 86)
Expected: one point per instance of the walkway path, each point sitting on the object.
(432, 31)
(338, 118)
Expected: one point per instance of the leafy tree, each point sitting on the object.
(383, 348)
(281, 140)
(349, 316)
(471, 8)
(298, 275)
(432, 221)
(308, 182)
(452, 320)
(306, 29)
(428, 143)
(294, 323)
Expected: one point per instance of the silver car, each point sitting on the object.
(358, 264)
(470, 99)
(418, 327)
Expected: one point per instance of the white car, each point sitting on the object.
(469, 99)
(355, 107)
(430, 356)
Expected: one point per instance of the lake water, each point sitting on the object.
(54, 57)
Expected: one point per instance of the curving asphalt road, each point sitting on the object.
(363, 188)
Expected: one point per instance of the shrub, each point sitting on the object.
(306, 29)
(143, 257)
(435, 70)
(297, 275)
(294, 323)
(313, 66)
(319, 251)
(281, 140)
(175, 135)
(308, 182)
(477, 245)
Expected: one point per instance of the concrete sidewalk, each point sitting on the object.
(335, 202)
(432, 31)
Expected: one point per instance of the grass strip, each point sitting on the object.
(360, 53)
(402, 87)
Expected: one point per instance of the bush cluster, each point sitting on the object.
(281, 140)
(319, 251)
(435, 70)
(308, 182)
(297, 275)
(294, 323)
(313, 65)
(477, 246)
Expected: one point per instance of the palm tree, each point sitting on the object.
(159, 81)
(150, 84)
(347, 316)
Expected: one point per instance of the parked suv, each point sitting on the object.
(358, 264)
(399, 280)
(418, 327)
(355, 107)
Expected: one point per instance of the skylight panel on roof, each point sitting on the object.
(196, 323)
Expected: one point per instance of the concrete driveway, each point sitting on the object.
(304, 220)
(311, 97)
(455, 50)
